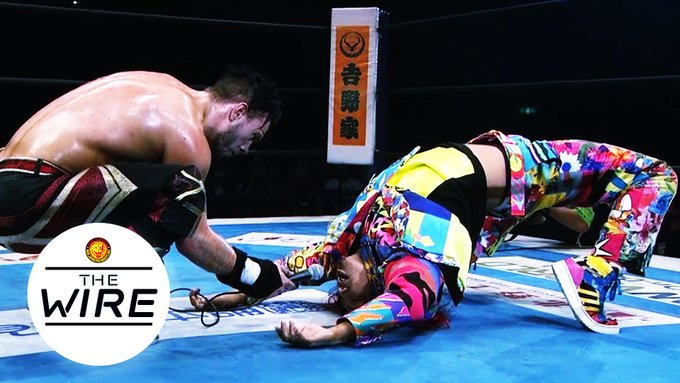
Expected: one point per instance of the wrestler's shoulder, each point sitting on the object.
(139, 79)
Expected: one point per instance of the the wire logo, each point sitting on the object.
(98, 294)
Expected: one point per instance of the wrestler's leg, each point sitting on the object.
(626, 238)
(161, 202)
(25, 201)
(629, 235)
(588, 280)
(165, 206)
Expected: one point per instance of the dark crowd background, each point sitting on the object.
(599, 70)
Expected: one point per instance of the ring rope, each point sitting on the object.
(162, 17)
(537, 84)
(473, 13)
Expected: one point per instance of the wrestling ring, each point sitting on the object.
(514, 324)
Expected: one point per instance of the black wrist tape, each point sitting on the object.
(267, 281)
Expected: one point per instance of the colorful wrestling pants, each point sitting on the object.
(39, 200)
(638, 188)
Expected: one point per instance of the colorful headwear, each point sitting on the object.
(378, 244)
(341, 245)
(344, 222)
(404, 223)
(345, 229)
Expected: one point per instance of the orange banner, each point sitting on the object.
(351, 85)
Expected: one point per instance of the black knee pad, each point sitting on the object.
(166, 206)
(181, 202)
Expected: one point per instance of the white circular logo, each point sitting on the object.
(98, 294)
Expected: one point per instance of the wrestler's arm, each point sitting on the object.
(223, 301)
(205, 248)
(313, 335)
(208, 250)
(577, 219)
(294, 262)
(218, 301)
(410, 279)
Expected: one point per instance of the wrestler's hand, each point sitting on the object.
(312, 335)
(196, 300)
(283, 269)
(286, 284)
(240, 299)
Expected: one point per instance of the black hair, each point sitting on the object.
(242, 82)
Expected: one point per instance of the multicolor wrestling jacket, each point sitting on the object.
(411, 246)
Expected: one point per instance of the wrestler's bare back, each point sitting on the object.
(128, 116)
(493, 162)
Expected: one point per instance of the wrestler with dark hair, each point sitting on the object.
(133, 149)
(414, 231)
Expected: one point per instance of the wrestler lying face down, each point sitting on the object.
(383, 281)
(419, 224)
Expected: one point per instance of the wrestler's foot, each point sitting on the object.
(586, 282)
